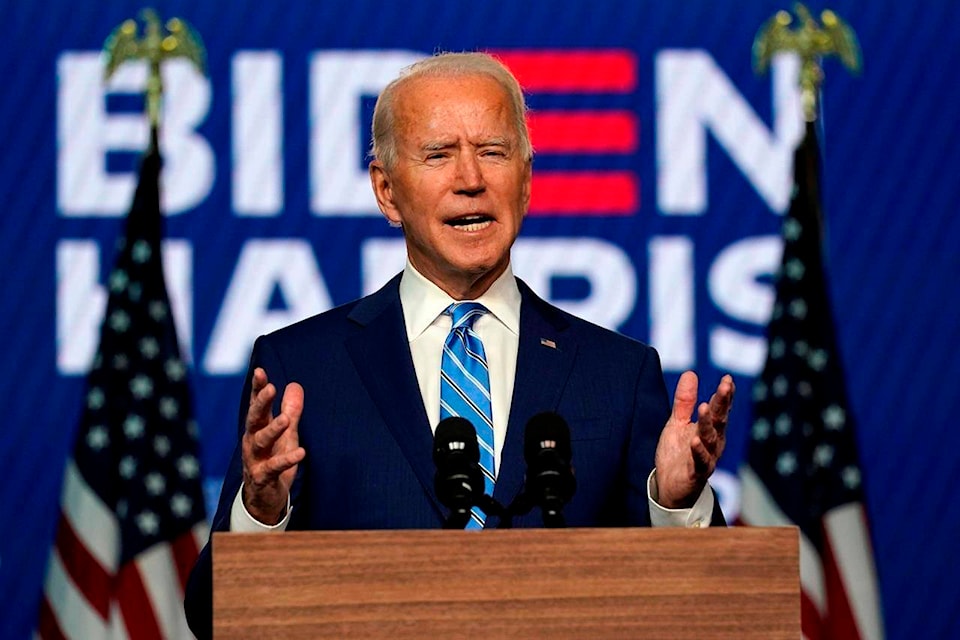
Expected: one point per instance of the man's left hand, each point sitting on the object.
(688, 451)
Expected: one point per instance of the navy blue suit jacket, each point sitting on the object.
(369, 443)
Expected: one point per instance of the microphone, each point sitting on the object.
(458, 480)
(550, 483)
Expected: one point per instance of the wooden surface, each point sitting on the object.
(569, 583)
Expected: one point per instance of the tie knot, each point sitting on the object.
(465, 313)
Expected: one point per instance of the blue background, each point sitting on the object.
(890, 189)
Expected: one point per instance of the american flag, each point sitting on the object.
(131, 512)
(802, 466)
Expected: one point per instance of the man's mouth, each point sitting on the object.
(471, 222)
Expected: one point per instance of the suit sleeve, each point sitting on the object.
(650, 412)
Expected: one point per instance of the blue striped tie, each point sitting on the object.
(465, 388)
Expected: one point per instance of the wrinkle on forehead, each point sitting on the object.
(439, 112)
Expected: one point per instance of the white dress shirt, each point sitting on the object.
(427, 327)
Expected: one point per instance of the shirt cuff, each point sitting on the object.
(699, 515)
(242, 522)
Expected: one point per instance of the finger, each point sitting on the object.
(707, 428)
(292, 403)
(274, 467)
(722, 401)
(259, 412)
(685, 397)
(264, 438)
(257, 382)
(702, 459)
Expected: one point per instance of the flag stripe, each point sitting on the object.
(759, 508)
(68, 606)
(846, 530)
(158, 571)
(84, 570)
(135, 604)
(584, 131)
(600, 193)
(49, 627)
(185, 549)
(810, 621)
(838, 621)
(93, 522)
(572, 71)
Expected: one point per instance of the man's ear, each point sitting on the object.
(383, 190)
(527, 186)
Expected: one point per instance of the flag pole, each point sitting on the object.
(801, 466)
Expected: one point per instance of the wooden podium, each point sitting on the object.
(523, 583)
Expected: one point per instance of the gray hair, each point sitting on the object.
(384, 146)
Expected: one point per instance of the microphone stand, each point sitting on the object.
(459, 517)
(553, 517)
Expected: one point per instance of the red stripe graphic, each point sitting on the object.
(588, 131)
(572, 71)
(136, 607)
(596, 193)
(92, 580)
(583, 131)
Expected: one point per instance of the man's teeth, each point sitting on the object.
(471, 223)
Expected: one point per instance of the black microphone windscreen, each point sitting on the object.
(455, 436)
(546, 430)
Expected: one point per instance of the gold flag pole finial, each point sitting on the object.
(811, 42)
(159, 43)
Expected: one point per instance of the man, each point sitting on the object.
(363, 385)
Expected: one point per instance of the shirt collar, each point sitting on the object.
(423, 301)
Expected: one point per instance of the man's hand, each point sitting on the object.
(270, 448)
(688, 451)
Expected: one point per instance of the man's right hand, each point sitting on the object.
(271, 448)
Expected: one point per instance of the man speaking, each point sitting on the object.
(338, 411)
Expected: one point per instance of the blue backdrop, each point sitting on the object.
(663, 171)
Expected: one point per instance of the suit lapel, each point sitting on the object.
(545, 356)
(381, 354)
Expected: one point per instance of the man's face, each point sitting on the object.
(460, 186)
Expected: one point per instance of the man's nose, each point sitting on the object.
(469, 174)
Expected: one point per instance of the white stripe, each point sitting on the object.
(95, 524)
(466, 374)
(759, 509)
(848, 536)
(77, 619)
(158, 571)
(118, 630)
(201, 533)
(486, 446)
(446, 407)
(458, 392)
(476, 518)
